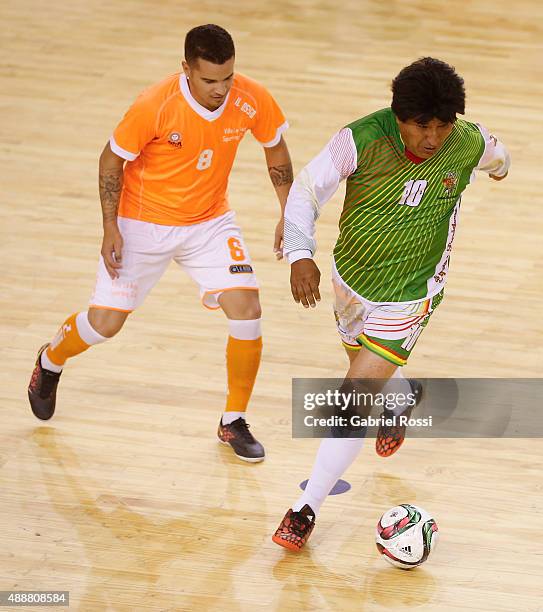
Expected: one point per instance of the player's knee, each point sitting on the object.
(252, 311)
(106, 322)
(241, 305)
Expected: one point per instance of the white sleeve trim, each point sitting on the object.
(121, 152)
(495, 158)
(282, 128)
(294, 256)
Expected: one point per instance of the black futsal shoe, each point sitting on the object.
(42, 390)
(242, 441)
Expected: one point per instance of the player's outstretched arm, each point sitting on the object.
(110, 179)
(313, 187)
(281, 175)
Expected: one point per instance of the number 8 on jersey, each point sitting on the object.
(204, 161)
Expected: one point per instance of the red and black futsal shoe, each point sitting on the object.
(242, 441)
(295, 528)
(42, 389)
(391, 437)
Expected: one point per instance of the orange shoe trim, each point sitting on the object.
(286, 544)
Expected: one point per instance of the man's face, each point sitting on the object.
(209, 83)
(424, 139)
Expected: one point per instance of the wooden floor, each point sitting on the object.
(125, 499)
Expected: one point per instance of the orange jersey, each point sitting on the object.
(179, 154)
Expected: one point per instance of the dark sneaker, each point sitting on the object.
(42, 390)
(295, 528)
(390, 437)
(243, 442)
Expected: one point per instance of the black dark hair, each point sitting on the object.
(428, 89)
(209, 42)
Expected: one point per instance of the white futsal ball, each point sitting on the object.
(406, 535)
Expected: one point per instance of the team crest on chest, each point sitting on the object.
(450, 181)
(175, 139)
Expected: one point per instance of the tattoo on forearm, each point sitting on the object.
(110, 182)
(281, 175)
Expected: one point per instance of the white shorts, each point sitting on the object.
(388, 329)
(212, 253)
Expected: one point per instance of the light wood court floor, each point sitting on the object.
(125, 498)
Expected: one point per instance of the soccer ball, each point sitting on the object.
(406, 535)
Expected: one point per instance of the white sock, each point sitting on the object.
(86, 330)
(231, 416)
(47, 364)
(87, 333)
(249, 329)
(397, 384)
(334, 456)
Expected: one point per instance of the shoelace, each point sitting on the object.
(243, 429)
(48, 381)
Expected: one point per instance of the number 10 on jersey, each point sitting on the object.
(413, 192)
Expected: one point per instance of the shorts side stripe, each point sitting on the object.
(100, 307)
(351, 347)
(383, 351)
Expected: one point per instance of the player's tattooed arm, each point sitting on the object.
(281, 175)
(110, 185)
(280, 169)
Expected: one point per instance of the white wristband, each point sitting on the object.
(294, 256)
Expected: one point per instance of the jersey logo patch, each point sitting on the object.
(175, 139)
(450, 181)
(241, 269)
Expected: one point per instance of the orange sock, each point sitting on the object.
(242, 362)
(66, 343)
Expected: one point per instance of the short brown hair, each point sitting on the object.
(209, 42)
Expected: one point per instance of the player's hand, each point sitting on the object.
(112, 249)
(304, 282)
(498, 178)
(278, 240)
